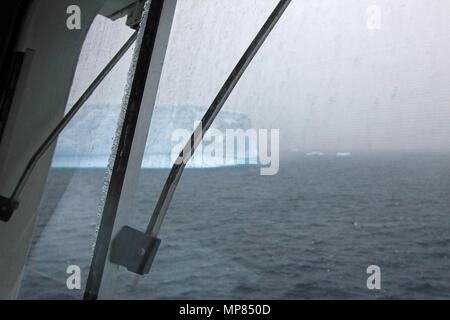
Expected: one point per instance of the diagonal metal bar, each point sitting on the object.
(63, 123)
(196, 138)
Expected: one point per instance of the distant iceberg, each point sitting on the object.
(88, 139)
(315, 153)
(343, 154)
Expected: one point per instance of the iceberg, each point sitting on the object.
(87, 140)
(343, 154)
(315, 153)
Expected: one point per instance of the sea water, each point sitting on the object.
(309, 232)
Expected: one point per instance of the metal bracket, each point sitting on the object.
(7, 207)
(134, 250)
(135, 15)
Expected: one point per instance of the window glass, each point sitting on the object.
(358, 95)
(66, 228)
(326, 174)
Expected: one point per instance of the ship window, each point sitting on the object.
(65, 232)
(329, 160)
(360, 105)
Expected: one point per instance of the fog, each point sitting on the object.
(334, 75)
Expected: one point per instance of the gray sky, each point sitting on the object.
(324, 78)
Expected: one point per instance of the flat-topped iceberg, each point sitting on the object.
(315, 153)
(343, 154)
(87, 140)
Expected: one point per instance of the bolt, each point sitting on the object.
(141, 252)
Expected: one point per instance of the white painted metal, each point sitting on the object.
(133, 168)
(41, 95)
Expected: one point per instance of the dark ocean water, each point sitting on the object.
(309, 232)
